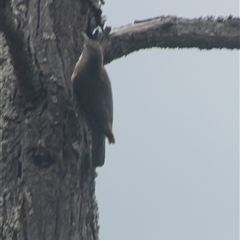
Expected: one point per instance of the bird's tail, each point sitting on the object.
(111, 138)
(98, 148)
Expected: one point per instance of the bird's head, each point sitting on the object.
(92, 50)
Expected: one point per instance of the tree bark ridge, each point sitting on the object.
(24, 70)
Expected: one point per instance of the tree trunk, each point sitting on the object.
(47, 182)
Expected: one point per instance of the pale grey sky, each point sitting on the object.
(173, 173)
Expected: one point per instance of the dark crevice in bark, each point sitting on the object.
(56, 220)
(23, 209)
(20, 56)
(85, 139)
(19, 175)
(36, 60)
(29, 46)
(38, 17)
(91, 220)
(14, 236)
(27, 4)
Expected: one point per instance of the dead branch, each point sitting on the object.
(172, 32)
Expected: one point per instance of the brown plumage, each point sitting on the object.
(93, 92)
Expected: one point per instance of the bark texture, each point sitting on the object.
(47, 183)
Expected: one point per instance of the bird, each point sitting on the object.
(92, 89)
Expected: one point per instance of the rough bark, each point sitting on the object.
(47, 182)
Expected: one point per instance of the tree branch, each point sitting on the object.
(23, 66)
(172, 32)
